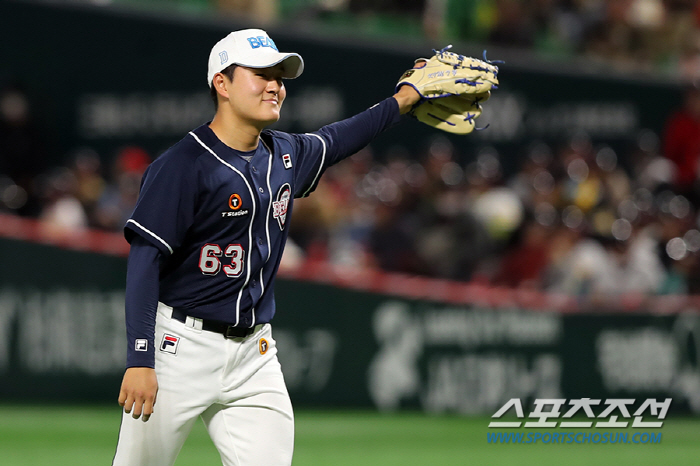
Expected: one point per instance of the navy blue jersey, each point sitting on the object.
(220, 217)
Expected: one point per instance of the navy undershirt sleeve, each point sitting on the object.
(142, 288)
(348, 136)
(329, 145)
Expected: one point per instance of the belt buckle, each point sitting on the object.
(235, 332)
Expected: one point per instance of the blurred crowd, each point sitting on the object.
(660, 35)
(571, 219)
(628, 34)
(625, 34)
(76, 196)
(576, 217)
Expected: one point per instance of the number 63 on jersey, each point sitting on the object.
(210, 262)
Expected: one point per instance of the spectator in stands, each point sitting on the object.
(262, 12)
(392, 243)
(62, 215)
(119, 198)
(612, 37)
(681, 143)
(514, 26)
(470, 20)
(22, 149)
(86, 167)
(524, 263)
(411, 7)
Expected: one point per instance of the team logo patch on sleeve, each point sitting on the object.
(280, 206)
(287, 159)
(169, 344)
(263, 346)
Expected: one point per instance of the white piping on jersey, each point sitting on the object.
(269, 206)
(267, 225)
(320, 168)
(151, 233)
(250, 226)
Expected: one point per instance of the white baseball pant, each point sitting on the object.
(235, 385)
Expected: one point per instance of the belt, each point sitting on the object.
(228, 331)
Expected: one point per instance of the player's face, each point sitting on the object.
(257, 94)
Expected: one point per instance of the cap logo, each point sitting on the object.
(262, 41)
(224, 57)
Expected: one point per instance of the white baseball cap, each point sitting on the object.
(252, 48)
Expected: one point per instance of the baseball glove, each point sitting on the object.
(454, 113)
(447, 73)
(451, 87)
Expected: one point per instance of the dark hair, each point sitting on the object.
(228, 72)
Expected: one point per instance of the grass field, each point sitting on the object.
(81, 436)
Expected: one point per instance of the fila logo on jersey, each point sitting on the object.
(169, 344)
(141, 344)
(287, 159)
(262, 41)
(234, 203)
(279, 207)
(263, 346)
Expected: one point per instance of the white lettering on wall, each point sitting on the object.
(445, 357)
(64, 331)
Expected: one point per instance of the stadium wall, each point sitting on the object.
(350, 338)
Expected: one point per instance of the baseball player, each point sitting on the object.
(207, 236)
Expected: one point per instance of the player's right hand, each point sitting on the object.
(138, 392)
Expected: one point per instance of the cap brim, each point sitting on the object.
(293, 63)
